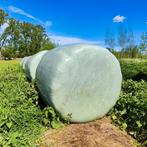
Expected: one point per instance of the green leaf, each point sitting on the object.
(46, 113)
(114, 117)
(132, 133)
(9, 124)
(56, 124)
(46, 121)
(124, 125)
(139, 124)
(123, 112)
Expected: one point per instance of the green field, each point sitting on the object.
(20, 118)
(23, 120)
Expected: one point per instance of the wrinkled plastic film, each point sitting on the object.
(32, 63)
(81, 80)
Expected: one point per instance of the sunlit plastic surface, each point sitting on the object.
(81, 80)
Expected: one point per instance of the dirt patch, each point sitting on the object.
(100, 133)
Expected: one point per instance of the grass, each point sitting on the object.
(20, 119)
(4, 64)
(133, 59)
(134, 69)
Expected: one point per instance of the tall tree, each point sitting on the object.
(109, 40)
(25, 38)
(130, 37)
(131, 49)
(122, 37)
(33, 39)
(10, 38)
(3, 17)
(143, 44)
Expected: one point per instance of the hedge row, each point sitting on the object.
(130, 112)
(22, 121)
(134, 69)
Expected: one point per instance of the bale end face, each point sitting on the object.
(81, 80)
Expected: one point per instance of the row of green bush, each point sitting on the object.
(130, 112)
(22, 120)
(134, 69)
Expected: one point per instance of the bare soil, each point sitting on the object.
(100, 133)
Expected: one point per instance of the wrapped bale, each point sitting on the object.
(32, 63)
(23, 62)
(81, 80)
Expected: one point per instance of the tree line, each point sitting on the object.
(125, 41)
(21, 39)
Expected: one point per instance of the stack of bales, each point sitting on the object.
(81, 80)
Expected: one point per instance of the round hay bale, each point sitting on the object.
(21, 62)
(24, 60)
(81, 80)
(32, 63)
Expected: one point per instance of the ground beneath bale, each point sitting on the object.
(100, 133)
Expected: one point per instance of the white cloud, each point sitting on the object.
(63, 40)
(20, 11)
(48, 23)
(16, 10)
(119, 19)
(3, 27)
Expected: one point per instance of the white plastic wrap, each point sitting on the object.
(32, 63)
(81, 80)
(23, 62)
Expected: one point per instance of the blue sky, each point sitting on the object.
(80, 21)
